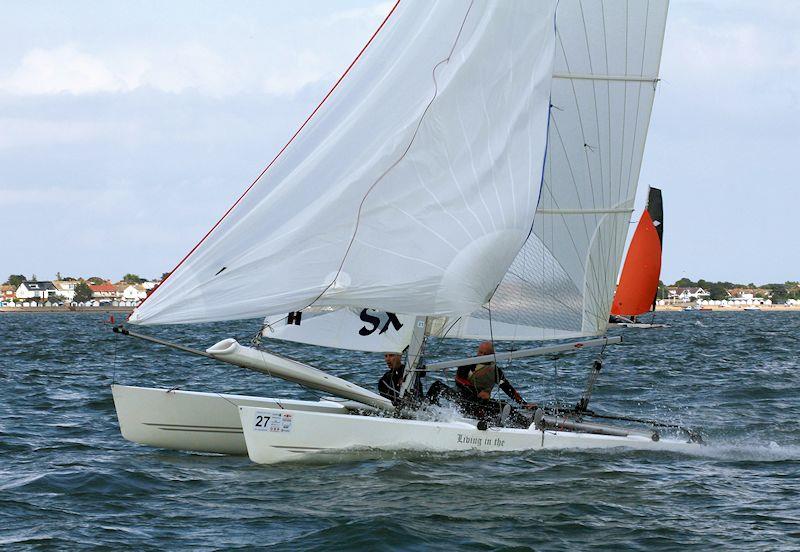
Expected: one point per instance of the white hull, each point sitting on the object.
(281, 435)
(189, 420)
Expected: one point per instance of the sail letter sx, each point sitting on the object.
(375, 322)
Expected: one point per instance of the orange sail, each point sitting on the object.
(638, 285)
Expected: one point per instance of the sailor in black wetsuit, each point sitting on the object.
(390, 382)
(476, 381)
(474, 385)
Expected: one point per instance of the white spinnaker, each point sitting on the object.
(562, 282)
(411, 189)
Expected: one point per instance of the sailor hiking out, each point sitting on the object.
(474, 386)
(476, 381)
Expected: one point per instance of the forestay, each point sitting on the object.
(411, 189)
(562, 282)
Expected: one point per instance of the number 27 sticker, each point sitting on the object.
(272, 421)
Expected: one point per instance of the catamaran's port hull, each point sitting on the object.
(190, 420)
(291, 430)
(275, 435)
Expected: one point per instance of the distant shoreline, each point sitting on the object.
(675, 308)
(70, 310)
(127, 310)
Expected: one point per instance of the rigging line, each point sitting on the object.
(402, 156)
(559, 301)
(552, 238)
(596, 117)
(603, 284)
(575, 185)
(613, 237)
(441, 338)
(580, 258)
(638, 104)
(583, 138)
(617, 234)
(545, 157)
(572, 175)
(335, 85)
(604, 247)
(494, 350)
(624, 115)
(624, 102)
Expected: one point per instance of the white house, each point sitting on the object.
(65, 288)
(687, 294)
(134, 292)
(36, 290)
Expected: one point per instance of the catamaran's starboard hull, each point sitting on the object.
(281, 435)
(194, 421)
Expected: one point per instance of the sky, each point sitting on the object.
(128, 128)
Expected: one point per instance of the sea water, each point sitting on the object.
(68, 480)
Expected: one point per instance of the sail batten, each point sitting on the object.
(624, 78)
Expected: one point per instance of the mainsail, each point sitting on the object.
(562, 281)
(638, 284)
(411, 188)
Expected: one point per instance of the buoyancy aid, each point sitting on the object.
(484, 377)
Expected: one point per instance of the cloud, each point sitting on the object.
(717, 46)
(279, 60)
(63, 69)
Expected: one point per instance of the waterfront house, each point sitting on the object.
(134, 292)
(106, 290)
(35, 290)
(65, 289)
(687, 294)
(749, 296)
(749, 293)
(7, 293)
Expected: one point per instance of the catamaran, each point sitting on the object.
(637, 291)
(471, 175)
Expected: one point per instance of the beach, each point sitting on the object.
(718, 308)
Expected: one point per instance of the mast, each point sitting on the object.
(418, 336)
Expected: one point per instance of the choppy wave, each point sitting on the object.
(69, 480)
